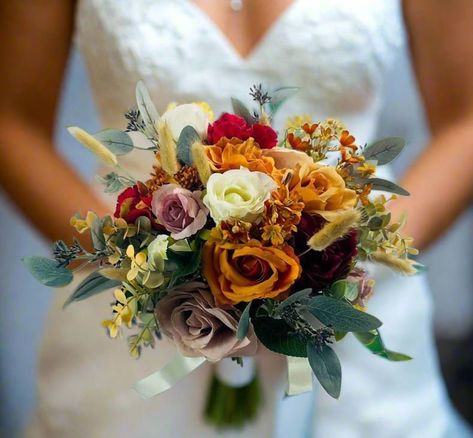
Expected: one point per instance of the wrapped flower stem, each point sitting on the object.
(235, 395)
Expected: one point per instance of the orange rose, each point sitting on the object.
(250, 271)
(322, 190)
(234, 153)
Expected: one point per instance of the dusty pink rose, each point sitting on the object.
(365, 286)
(179, 211)
(189, 315)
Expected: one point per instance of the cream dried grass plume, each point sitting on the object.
(167, 149)
(335, 230)
(201, 162)
(91, 143)
(402, 265)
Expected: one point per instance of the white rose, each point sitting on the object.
(238, 194)
(157, 253)
(189, 114)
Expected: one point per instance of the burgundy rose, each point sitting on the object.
(321, 268)
(179, 211)
(229, 126)
(134, 202)
(264, 135)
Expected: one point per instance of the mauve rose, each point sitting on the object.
(179, 211)
(189, 315)
(365, 286)
(321, 268)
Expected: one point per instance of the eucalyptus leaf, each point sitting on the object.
(384, 150)
(341, 316)
(326, 367)
(372, 341)
(351, 294)
(244, 323)
(116, 141)
(187, 138)
(277, 336)
(299, 296)
(184, 263)
(96, 233)
(387, 186)
(47, 271)
(148, 111)
(279, 96)
(113, 182)
(241, 110)
(91, 285)
(338, 289)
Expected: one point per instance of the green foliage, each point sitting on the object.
(341, 316)
(183, 264)
(244, 323)
(387, 186)
(301, 296)
(372, 341)
(279, 96)
(241, 110)
(113, 182)
(47, 271)
(187, 138)
(90, 286)
(326, 367)
(145, 337)
(96, 233)
(148, 112)
(384, 150)
(116, 141)
(279, 337)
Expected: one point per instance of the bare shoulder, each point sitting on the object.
(441, 41)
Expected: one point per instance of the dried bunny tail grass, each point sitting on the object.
(91, 143)
(201, 162)
(335, 230)
(401, 265)
(167, 149)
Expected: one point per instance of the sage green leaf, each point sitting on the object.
(113, 182)
(244, 323)
(96, 233)
(341, 316)
(387, 186)
(279, 96)
(241, 110)
(339, 335)
(384, 150)
(351, 294)
(372, 341)
(277, 336)
(326, 367)
(299, 296)
(47, 271)
(116, 141)
(91, 285)
(148, 111)
(184, 263)
(338, 289)
(187, 138)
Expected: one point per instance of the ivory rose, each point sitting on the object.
(188, 315)
(250, 271)
(189, 114)
(179, 211)
(238, 194)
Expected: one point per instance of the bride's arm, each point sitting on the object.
(441, 179)
(35, 40)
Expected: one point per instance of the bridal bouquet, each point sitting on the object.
(240, 238)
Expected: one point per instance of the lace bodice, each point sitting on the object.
(336, 50)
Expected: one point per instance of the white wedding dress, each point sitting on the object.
(337, 51)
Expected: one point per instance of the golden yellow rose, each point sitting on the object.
(322, 190)
(245, 272)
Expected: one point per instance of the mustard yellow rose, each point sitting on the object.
(250, 271)
(322, 189)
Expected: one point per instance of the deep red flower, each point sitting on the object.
(321, 268)
(231, 125)
(228, 125)
(134, 202)
(264, 135)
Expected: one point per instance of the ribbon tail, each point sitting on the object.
(299, 375)
(160, 381)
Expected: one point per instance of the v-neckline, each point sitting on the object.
(262, 40)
